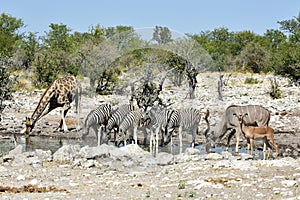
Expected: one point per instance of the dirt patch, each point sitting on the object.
(30, 189)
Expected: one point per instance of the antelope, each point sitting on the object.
(257, 116)
(254, 132)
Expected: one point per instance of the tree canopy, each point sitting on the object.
(104, 54)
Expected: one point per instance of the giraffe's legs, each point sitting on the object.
(64, 111)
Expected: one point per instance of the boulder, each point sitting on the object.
(66, 153)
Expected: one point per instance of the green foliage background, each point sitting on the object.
(104, 54)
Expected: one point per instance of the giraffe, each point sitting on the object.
(60, 93)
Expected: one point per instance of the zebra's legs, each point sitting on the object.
(135, 135)
(100, 136)
(151, 141)
(85, 132)
(145, 136)
(180, 139)
(195, 132)
(171, 142)
(156, 141)
(126, 135)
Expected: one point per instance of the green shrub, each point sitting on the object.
(181, 185)
(5, 86)
(251, 80)
(190, 194)
(275, 92)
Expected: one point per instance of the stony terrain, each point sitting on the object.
(106, 172)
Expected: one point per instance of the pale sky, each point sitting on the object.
(189, 16)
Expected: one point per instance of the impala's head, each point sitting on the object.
(240, 117)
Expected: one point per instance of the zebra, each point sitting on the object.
(184, 120)
(117, 117)
(131, 122)
(97, 119)
(158, 118)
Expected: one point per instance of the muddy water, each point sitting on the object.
(7, 143)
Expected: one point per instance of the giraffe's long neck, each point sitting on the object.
(44, 101)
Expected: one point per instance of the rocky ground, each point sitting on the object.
(82, 172)
(107, 172)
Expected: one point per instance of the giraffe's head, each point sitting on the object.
(29, 126)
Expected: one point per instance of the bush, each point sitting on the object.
(49, 65)
(5, 86)
(286, 61)
(251, 80)
(275, 92)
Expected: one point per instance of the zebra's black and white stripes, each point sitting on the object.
(158, 121)
(130, 124)
(117, 117)
(126, 121)
(185, 120)
(97, 119)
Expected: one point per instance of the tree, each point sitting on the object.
(218, 44)
(240, 40)
(124, 37)
(96, 34)
(195, 59)
(24, 55)
(57, 55)
(96, 65)
(275, 38)
(59, 38)
(254, 58)
(9, 35)
(147, 94)
(292, 27)
(286, 60)
(162, 35)
(5, 84)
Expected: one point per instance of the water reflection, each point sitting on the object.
(54, 143)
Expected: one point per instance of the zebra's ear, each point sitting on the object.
(147, 109)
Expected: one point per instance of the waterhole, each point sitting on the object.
(7, 143)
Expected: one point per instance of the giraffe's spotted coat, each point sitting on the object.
(60, 93)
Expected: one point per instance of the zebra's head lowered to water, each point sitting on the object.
(97, 118)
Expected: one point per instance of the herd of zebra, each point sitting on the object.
(124, 121)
